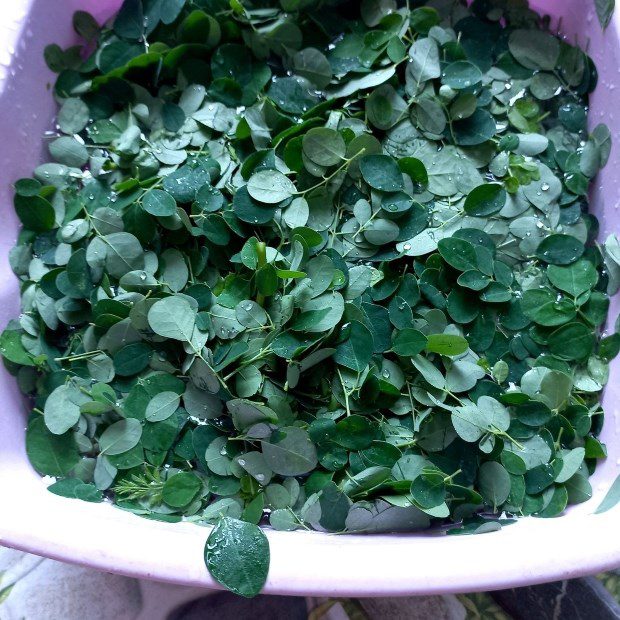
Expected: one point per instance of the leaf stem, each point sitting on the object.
(261, 254)
(507, 436)
(448, 479)
(346, 394)
(327, 179)
(79, 356)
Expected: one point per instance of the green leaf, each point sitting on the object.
(557, 503)
(408, 342)
(117, 54)
(50, 454)
(381, 232)
(324, 146)
(474, 280)
(132, 359)
(179, 490)
(173, 317)
(461, 74)
(476, 129)
(354, 432)
(68, 151)
(612, 497)
(369, 80)
(237, 556)
(62, 408)
(76, 489)
(120, 437)
(429, 371)
(101, 368)
(124, 253)
(428, 489)
(609, 347)
(270, 186)
(424, 64)
(356, 351)
(423, 19)
(494, 483)
(12, 349)
(560, 249)
(35, 212)
(267, 280)
(73, 116)
(571, 462)
(579, 489)
(458, 253)
(472, 422)
(485, 200)
(312, 64)
(381, 172)
(549, 386)
(335, 505)
(289, 452)
(385, 107)
(415, 169)
(534, 414)
(328, 309)
(543, 307)
(595, 449)
(575, 279)
(604, 11)
(534, 49)
(129, 21)
(294, 95)
(373, 11)
(446, 344)
(159, 203)
(85, 25)
(162, 406)
(573, 341)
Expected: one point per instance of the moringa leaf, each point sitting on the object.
(604, 11)
(237, 556)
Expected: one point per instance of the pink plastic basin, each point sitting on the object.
(101, 536)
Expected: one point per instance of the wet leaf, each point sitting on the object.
(237, 556)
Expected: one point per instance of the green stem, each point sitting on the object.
(448, 479)
(327, 179)
(79, 356)
(346, 394)
(507, 436)
(262, 354)
(261, 254)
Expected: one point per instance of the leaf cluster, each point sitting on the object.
(326, 265)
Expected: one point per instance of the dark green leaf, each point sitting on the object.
(237, 556)
(485, 200)
(409, 342)
(573, 341)
(356, 351)
(604, 11)
(381, 172)
(180, 489)
(560, 249)
(458, 253)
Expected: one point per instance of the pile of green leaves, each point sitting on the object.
(318, 264)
